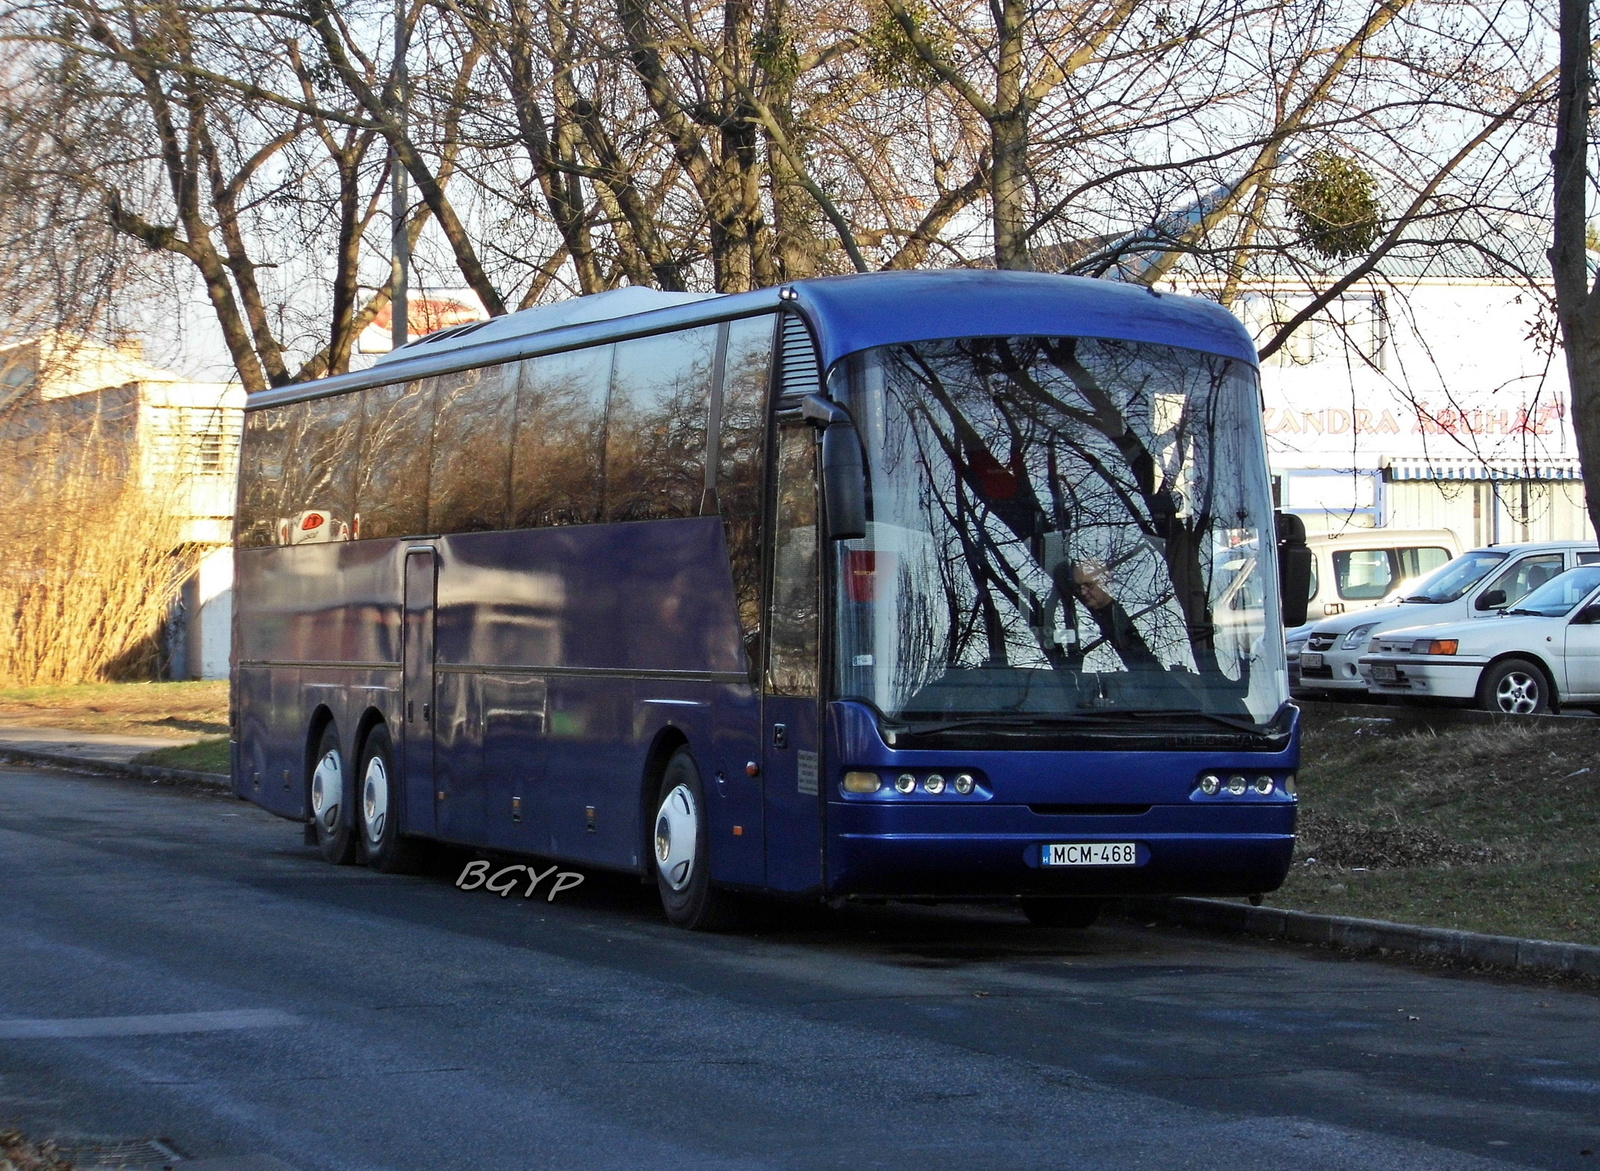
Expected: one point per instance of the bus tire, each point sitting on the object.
(1076, 914)
(332, 793)
(680, 843)
(378, 809)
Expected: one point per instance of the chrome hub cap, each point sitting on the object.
(375, 799)
(676, 831)
(327, 789)
(1518, 694)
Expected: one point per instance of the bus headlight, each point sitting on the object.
(934, 784)
(904, 783)
(862, 783)
(1236, 786)
(1210, 784)
(1264, 785)
(964, 784)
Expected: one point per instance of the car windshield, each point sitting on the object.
(1559, 596)
(1454, 578)
(1062, 528)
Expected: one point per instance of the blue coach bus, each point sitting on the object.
(939, 585)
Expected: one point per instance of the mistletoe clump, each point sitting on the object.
(1335, 205)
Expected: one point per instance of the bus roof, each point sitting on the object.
(849, 313)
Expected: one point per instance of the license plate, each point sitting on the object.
(1310, 658)
(1091, 854)
(1384, 673)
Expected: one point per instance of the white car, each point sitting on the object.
(1475, 586)
(1537, 655)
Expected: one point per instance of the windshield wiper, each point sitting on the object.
(1054, 719)
(1519, 610)
(1421, 598)
(1225, 721)
(1067, 719)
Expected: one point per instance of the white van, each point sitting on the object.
(1357, 570)
(1323, 654)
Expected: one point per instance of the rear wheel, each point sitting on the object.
(331, 789)
(1515, 687)
(1073, 913)
(681, 844)
(385, 849)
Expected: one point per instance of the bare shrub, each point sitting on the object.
(94, 556)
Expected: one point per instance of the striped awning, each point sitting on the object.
(1477, 469)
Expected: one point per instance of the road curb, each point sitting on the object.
(149, 772)
(1374, 935)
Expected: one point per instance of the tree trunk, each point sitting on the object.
(1577, 302)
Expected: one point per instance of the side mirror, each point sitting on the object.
(1294, 567)
(1588, 616)
(1492, 600)
(844, 473)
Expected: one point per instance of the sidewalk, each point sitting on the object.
(100, 751)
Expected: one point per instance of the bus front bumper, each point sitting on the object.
(1000, 851)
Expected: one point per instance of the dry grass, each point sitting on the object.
(151, 709)
(19, 1154)
(1491, 829)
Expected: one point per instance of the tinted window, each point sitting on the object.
(558, 456)
(741, 454)
(792, 668)
(1561, 594)
(656, 425)
(266, 444)
(320, 473)
(1528, 574)
(1362, 573)
(392, 479)
(1416, 562)
(470, 479)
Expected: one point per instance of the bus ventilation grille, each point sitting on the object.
(800, 374)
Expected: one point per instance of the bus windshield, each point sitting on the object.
(1063, 529)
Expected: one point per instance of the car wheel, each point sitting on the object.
(385, 849)
(681, 846)
(331, 791)
(1515, 687)
(1074, 913)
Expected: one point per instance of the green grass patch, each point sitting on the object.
(1481, 828)
(203, 756)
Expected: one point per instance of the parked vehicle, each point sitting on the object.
(1358, 570)
(1324, 655)
(1537, 655)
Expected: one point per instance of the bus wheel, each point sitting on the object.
(386, 851)
(681, 844)
(1074, 913)
(330, 801)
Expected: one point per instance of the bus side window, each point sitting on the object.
(656, 425)
(470, 478)
(266, 445)
(558, 469)
(792, 663)
(392, 478)
(741, 451)
(320, 473)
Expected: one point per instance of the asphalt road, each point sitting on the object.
(179, 965)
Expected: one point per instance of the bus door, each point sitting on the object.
(417, 698)
(790, 724)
